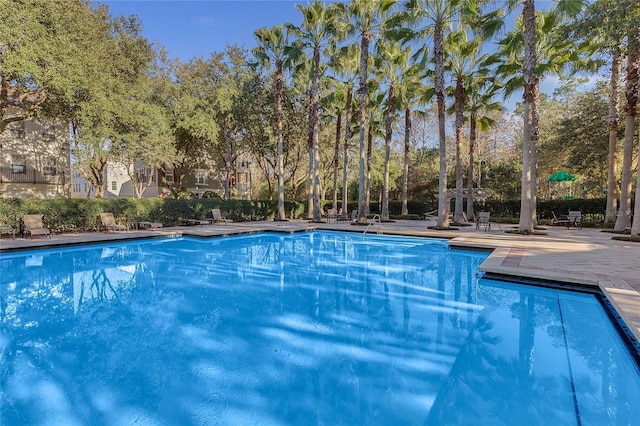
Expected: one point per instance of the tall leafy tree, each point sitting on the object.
(533, 50)
(53, 53)
(391, 64)
(433, 19)
(274, 49)
(368, 17)
(344, 64)
(321, 25)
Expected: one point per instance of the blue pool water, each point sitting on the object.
(319, 328)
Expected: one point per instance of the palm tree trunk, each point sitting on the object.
(362, 103)
(472, 147)
(315, 96)
(632, 85)
(616, 65)
(405, 172)
(310, 172)
(279, 77)
(535, 133)
(367, 198)
(443, 204)
(391, 107)
(336, 160)
(458, 208)
(347, 138)
(528, 13)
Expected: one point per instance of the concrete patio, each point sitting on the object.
(585, 257)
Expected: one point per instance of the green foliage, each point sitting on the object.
(83, 214)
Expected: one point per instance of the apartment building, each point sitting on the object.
(34, 159)
(118, 182)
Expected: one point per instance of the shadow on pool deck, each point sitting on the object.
(586, 256)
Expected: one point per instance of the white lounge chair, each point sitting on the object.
(33, 226)
(217, 217)
(109, 223)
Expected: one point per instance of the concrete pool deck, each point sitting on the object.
(585, 257)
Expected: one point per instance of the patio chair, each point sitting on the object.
(217, 217)
(575, 219)
(332, 214)
(354, 216)
(482, 220)
(109, 223)
(563, 221)
(33, 226)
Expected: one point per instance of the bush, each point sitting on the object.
(83, 214)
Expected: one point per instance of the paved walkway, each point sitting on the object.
(587, 256)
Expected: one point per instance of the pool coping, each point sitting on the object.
(509, 253)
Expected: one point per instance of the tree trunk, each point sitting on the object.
(315, 107)
(528, 13)
(391, 108)
(347, 138)
(443, 204)
(632, 86)
(367, 198)
(362, 104)
(310, 173)
(533, 160)
(281, 215)
(611, 211)
(472, 147)
(336, 161)
(405, 169)
(459, 101)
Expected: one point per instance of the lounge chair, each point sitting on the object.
(33, 226)
(148, 225)
(8, 229)
(482, 220)
(109, 223)
(217, 217)
(193, 222)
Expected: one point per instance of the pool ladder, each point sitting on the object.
(373, 221)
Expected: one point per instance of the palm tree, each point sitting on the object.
(344, 64)
(411, 91)
(274, 49)
(320, 26)
(368, 17)
(480, 102)
(464, 61)
(391, 63)
(545, 51)
(436, 17)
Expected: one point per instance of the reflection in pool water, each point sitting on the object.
(311, 328)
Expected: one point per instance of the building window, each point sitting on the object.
(48, 132)
(18, 129)
(169, 174)
(202, 177)
(19, 164)
(114, 185)
(49, 166)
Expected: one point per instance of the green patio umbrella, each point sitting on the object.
(561, 176)
(564, 177)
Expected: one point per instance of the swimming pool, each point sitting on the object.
(310, 328)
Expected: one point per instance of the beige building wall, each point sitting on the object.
(34, 160)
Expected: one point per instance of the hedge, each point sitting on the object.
(83, 214)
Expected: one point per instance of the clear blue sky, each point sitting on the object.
(189, 28)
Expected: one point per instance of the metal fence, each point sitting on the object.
(31, 175)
